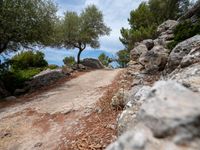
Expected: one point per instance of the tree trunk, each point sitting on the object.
(78, 57)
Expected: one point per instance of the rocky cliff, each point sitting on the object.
(162, 110)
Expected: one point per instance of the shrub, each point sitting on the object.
(184, 31)
(69, 61)
(123, 58)
(105, 60)
(52, 67)
(28, 59)
(15, 79)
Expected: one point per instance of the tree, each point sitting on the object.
(123, 58)
(145, 19)
(142, 23)
(105, 60)
(26, 23)
(80, 31)
(69, 61)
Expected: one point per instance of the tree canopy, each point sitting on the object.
(145, 19)
(79, 31)
(24, 24)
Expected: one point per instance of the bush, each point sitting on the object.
(123, 58)
(28, 59)
(69, 61)
(52, 67)
(184, 31)
(105, 60)
(15, 79)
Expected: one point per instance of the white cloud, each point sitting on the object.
(116, 13)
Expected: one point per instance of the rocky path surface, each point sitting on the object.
(39, 123)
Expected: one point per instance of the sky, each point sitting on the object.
(116, 13)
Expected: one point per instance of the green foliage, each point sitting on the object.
(28, 59)
(105, 60)
(69, 61)
(15, 79)
(26, 23)
(123, 58)
(145, 19)
(184, 31)
(52, 66)
(79, 31)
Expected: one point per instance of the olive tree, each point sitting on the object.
(26, 23)
(80, 31)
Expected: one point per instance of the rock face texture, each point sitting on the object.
(92, 63)
(162, 110)
(44, 78)
(187, 49)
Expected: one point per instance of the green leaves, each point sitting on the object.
(123, 58)
(26, 23)
(84, 29)
(28, 59)
(145, 19)
(105, 60)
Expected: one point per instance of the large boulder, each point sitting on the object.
(167, 25)
(167, 120)
(137, 96)
(149, 43)
(45, 78)
(180, 51)
(155, 59)
(189, 76)
(137, 51)
(192, 58)
(92, 63)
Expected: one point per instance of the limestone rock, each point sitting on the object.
(119, 99)
(180, 51)
(137, 51)
(159, 113)
(92, 63)
(191, 58)
(167, 25)
(136, 97)
(45, 78)
(189, 76)
(167, 120)
(155, 59)
(149, 43)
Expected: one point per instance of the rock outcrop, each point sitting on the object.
(188, 47)
(45, 78)
(91, 63)
(162, 110)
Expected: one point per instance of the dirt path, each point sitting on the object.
(41, 122)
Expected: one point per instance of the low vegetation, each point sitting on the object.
(184, 31)
(21, 68)
(69, 61)
(104, 59)
(123, 58)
